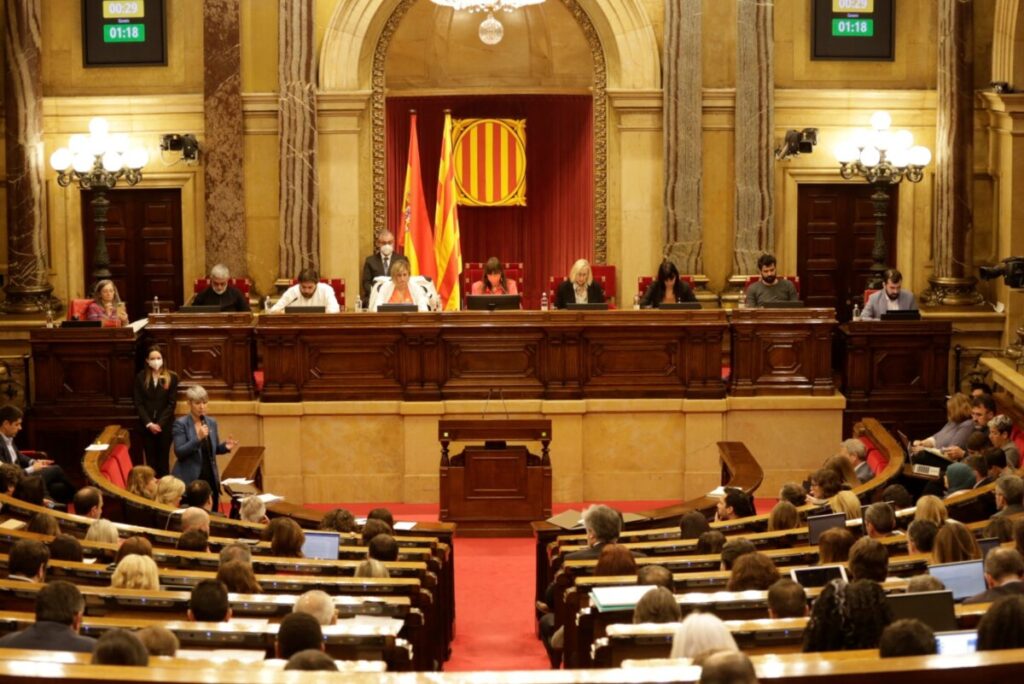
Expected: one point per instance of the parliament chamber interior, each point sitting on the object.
(696, 326)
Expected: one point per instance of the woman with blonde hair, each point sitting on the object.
(169, 490)
(845, 502)
(844, 468)
(102, 530)
(930, 507)
(579, 288)
(954, 543)
(700, 634)
(784, 516)
(142, 481)
(136, 572)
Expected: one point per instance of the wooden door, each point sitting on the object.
(144, 244)
(835, 234)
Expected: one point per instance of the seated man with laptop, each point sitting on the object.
(1004, 576)
(308, 293)
(892, 297)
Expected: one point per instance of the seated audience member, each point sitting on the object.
(752, 571)
(66, 548)
(1000, 528)
(141, 482)
(494, 281)
(979, 388)
(953, 543)
(399, 288)
(383, 547)
(287, 538)
(710, 543)
(253, 510)
(30, 489)
(106, 305)
(169, 490)
(382, 514)
(834, 545)
(844, 469)
(59, 610)
(298, 632)
(136, 572)
(957, 429)
(701, 634)
(983, 409)
(1009, 495)
(338, 520)
(825, 483)
(1002, 626)
(898, 495)
(239, 578)
(309, 291)
(195, 519)
(959, 478)
(784, 516)
(770, 288)
(209, 602)
(787, 599)
(88, 502)
(931, 508)
(657, 605)
(892, 297)
(1000, 429)
(27, 561)
(615, 559)
(658, 575)
(857, 453)
(10, 475)
(372, 568)
(55, 482)
(579, 287)
(43, 523)
(921, 536)
(136, 544)
(733, 549)
(1004, 572)
(921, 583)
(847, 503)
(869, 560)
(879, 520)
(372, 528)
(220, 293)
(907, 638)
(159, 641)
(692, 525)
(793, 493)
(977, 463)
(311, 660)
(120, 647)
(666, 288)
(102, 530)
(193, 540)
(727, 667)
(995, 461)
(735, 504)
(239, 551)
(199, 494)
(847, 616)
(978, 443)
(319, 604)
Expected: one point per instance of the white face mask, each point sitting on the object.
(155, 364)
(387, 250)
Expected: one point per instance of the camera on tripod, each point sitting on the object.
(1011, 270)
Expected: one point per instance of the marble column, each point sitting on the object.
(28, 287)
(952, 282)
(224, 144)
(683, 135)
(754, 160)
(296, 68)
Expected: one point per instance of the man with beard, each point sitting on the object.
(221, 293)
(892, 297)
(770, 288)
(309, 291)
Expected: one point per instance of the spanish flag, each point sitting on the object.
(414, 232)
(447, 243)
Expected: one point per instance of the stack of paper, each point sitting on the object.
(606, 599)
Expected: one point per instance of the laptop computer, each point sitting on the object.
(587, 306)
(305, 309)
(987, 544)
(679, 306)
(200, 308)
(817, 575)
(904, 315)
(81, 324)
(816, 524)
(397, 308)
(933, 608)
(494, 302)
(321, 545)
(960, 642)
(964, 579)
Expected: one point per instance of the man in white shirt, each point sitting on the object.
(309, 291)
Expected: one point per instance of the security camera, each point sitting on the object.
(1001, 87)
(796, 143)
(1011, 270)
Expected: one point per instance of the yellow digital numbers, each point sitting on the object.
(124, 9)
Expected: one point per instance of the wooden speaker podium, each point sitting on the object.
(491, 489)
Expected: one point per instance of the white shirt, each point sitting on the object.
(9, 453)
(421, 289)
(322, 296)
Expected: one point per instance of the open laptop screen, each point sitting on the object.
(964, 579)
(957, 643)
(321, 545)
(933, 608)
(816, 524)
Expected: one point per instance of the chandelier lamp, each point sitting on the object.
(491, 31)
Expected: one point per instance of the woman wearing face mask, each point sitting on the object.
(156, 391)
(580, 287)
(494, 282)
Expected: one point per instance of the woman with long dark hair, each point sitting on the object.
(667, 288)
(156, 391)
(494, 281)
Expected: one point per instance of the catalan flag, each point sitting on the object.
(490, 162)
(414, 233)
(447, 243)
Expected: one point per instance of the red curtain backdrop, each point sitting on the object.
(556, 226)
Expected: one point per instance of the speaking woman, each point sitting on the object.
(196, 444)
(580, 288)
(156, 390)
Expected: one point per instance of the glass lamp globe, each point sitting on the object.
(903, 139)
(881, 121)
(846, 152)
(920, 155)
(137, 158)
(491, 31)
(870, 156)
(898, 157)
(99, 127)
(61, 159)
(112, 161)
(78, 143)
(82, 163)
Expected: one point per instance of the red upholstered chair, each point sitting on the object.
(77, 309)
(867, 294)
(337, 284)
(473, 271)
(605, 276)
(113, 466)
(644, 282)
(242, 284)
(791, 278)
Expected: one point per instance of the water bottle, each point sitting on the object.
(266, 304)
(543, 301)
(856, 312)
(156, 304)
(49, 318)
(636, 302)
(359, 305)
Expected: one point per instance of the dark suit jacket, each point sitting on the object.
(1009, 589)
(232, 299)
(655, 294)
(372, 268)
(155, 404)
(186, 448)
(21, 460)
(565, 294)
(49, 636)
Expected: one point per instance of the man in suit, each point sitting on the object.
(27, 561)
(1009, 495)
(892, 297)
(1004, 572)
(379, 263)
(58, 487)
(88, 501)
(59, 609)
(855, 451)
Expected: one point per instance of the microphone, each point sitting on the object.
(501, 395)
(203, 419)
(490, 390)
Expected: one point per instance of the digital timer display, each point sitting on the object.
(123, 33)
(852, 30)
(113, 9)
(853, 27)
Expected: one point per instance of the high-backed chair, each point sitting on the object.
(791, 278)
(644, 282)
(77, 309)
(337, 284)
(242, 284)
(473, 271)
(605, 276)
(867, 294)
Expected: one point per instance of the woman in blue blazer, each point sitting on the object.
(196, 444)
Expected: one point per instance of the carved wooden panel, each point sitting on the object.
(781, 351)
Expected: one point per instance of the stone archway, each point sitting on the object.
(1007, 48)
